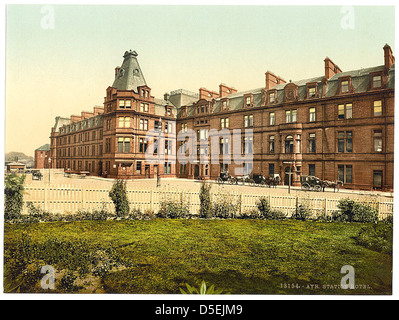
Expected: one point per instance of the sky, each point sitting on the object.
(60, 59)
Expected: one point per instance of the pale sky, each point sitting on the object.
(63, 66)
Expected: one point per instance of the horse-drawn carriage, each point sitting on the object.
(315, 184)
(226, 177)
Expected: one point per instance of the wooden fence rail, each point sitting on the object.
(66, 199)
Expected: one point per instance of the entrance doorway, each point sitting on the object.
(147, 171)
(196, 171)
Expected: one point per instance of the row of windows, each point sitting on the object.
(80, 137)
(125, 122)
(344, 111)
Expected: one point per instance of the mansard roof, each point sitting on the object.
(129, 76)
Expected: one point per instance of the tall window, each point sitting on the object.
(224, 123)
(224, 145)
(312, 114)
(312, 169)
(168, 168)
(272, 118)
(123, 144)
(168, 146)
(249, 121)
(143, 144)
(345, 173)
(345, 111)
(312, 142)
(125, 103)
(143, 124)
(271, 169)
(377, 108)
(378, 140)
(290, 116)
(345, 141)
(289, 144)
(248, 145)
(202, 134)
(377, 179)
(271, 144)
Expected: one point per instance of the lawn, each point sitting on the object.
(160, 256)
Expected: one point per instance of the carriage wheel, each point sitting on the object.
(317, 188)
(306, 186)
(219, 180)
(233, 180)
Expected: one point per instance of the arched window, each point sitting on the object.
(289, 144)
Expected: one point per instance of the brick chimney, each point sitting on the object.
(389, 59)
(272, 80)
(225, 90)
(207, 94)
(330, 68)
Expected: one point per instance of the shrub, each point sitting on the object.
(378, 237)
(118, 196)
(173, 209)
(355, 211)
(266, 211)
(225, 207)
(205, 201)
(13, 196)
(250, 214)
(302, 212)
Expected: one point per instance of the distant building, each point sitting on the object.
(42, 157)
(15, 167)
(336, 126)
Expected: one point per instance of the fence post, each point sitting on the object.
(45, 198)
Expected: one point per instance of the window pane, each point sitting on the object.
(312, 170)
(288, 116)
(376, 81)
(293, 115)
(377, 179)
(377, 108)
(272, 118)
(348, 175)
(312, 114)
(348, 111)
(344, 86)
(341, 173)
(341, 111)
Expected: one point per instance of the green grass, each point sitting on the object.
(238, 256)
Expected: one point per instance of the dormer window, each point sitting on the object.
(248, 100)
(377, 81)
(344, 86)
(225, 104)
(272, 97)
(168, 112)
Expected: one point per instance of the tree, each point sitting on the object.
(13, 194)
(205, 200)
(118, 196)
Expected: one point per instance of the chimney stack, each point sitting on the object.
(272, 80)
(330, 68)
(225, 90)
(389, 59)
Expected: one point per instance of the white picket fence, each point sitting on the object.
(69, 199)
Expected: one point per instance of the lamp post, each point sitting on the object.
(49, 169)
(159, 152)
